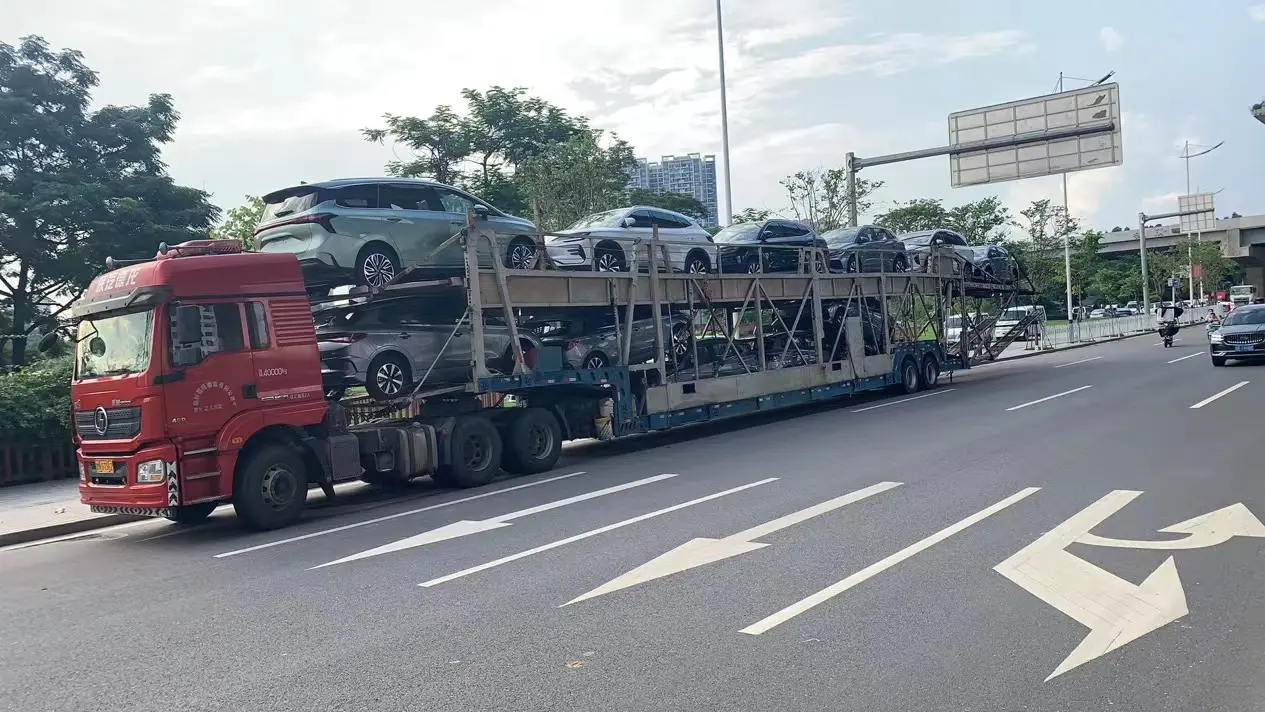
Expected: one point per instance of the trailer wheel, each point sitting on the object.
(475, 447)
(191, 514)
(930, 372)
(533, 442)
(910, 380)
(270, 488)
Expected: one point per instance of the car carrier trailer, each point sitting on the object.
(228, 405)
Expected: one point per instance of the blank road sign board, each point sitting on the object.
(1206, 219)
(1034, 119)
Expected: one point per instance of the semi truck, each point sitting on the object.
(1242, 294)
(198, 376)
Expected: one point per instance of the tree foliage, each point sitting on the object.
(981, 222)
(569, 180)
(749, 215)
(484, 148)
(77, 185)
(35, 404)
(239, 223)
(684, 204)
(820, 197)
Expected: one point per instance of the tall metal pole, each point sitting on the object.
(1146, 292)
(850, 169)
(1067, 248)
(724, 118)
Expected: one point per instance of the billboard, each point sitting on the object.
(1036, 129)
(1206, 219)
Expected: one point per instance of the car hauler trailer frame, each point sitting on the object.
(817, 336)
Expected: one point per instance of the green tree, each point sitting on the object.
(751, 215)
(982, 222)
(820, 197)
(77, 185)
(239, 223)
(1046, 226)
(915, 215)
(484, 148)
(1214, 267)
(1085, 260)
(687, 205)
(569, 180)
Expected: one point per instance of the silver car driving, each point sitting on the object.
(367, 230)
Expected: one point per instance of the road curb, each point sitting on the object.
(25, 536)
(1073, 347)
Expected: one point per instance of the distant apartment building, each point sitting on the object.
(694, 175)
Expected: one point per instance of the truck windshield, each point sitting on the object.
(114, 345)
(1241, 290)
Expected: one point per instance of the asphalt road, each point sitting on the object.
(937, 593)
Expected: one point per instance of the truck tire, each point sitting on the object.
(930, 372)
(191, 514)
(910, 377)
(475, 453)
(270, 488)
(533, 442)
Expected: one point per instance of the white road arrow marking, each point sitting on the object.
(1116, 611)
(592, 533)
(466, 527)
(878, 567)
(1206, 530)
(702, 551)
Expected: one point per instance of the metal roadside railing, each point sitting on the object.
(1091, 330)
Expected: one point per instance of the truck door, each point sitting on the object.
(209, 381)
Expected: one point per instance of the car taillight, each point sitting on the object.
(346, 338)
(325, 220)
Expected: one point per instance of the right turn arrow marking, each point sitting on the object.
(703, 551)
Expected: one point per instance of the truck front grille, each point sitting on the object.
(121, 424)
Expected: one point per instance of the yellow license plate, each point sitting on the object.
(105, 467)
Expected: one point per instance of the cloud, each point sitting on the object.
(1257, 13)
(1111, 40)
(1164, 203)
(1085, 192)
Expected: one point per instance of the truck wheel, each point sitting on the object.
(910, 380)
(270, 488)
(533, 442)
(475, 450)
(192, 514)
(930, 372)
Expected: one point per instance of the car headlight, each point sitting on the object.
(150, 472)
(1216, 338)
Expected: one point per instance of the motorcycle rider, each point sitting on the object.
(1168, 321)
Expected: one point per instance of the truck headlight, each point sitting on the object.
(151, 471)
(83, 473)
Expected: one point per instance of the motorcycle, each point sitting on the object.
(1167, 331)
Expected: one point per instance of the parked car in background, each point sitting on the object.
(766, 247)
(369, 229)
(1099, 314)
(919, 244)
(388, 347)
(589, 337)
(1012, 316)
(604, 242)
(993, 263)
(867, 248)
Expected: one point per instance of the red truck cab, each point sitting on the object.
(197, 375)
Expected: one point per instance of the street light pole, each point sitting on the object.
(724, 117)
(1190, 257)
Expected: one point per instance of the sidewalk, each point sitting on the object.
(48, 509)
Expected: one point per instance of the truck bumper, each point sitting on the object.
(109, 483)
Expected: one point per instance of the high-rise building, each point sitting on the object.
(694, 175)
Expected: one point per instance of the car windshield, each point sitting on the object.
(114, 345)
(288, 205)
(743, 232)
(841, 236)
(1245, 316)
(610, 218)
(917, 241)
(1013, 315)
(953, 322)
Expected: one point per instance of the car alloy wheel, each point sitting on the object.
(607, 262)
(378, 270)
(696, 266)
(389, 379)
(522, 256)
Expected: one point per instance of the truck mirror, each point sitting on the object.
(188, 325)
(96, 346)
(47, 342)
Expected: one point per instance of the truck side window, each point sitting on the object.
(257, 325)
(221, 332)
